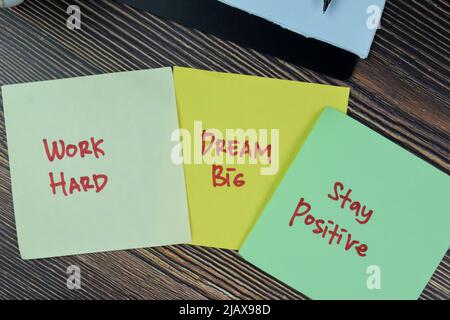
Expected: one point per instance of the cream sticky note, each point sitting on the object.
(356, 217)
(230, 176)
(90, 164)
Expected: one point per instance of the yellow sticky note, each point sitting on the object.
(239, 134)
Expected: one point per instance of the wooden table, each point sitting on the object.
(401, 91)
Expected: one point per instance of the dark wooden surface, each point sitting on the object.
(401, 91)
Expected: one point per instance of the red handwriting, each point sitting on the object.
(85, 184)
(60, 149)
(228, 177)
(354, 206)
(327, 229)
(220, 179)
(233, 147)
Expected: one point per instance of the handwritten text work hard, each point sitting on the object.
(59, 150)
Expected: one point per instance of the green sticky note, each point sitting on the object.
(91, 165)
(355, 217)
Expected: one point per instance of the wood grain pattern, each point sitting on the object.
(401, 91)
